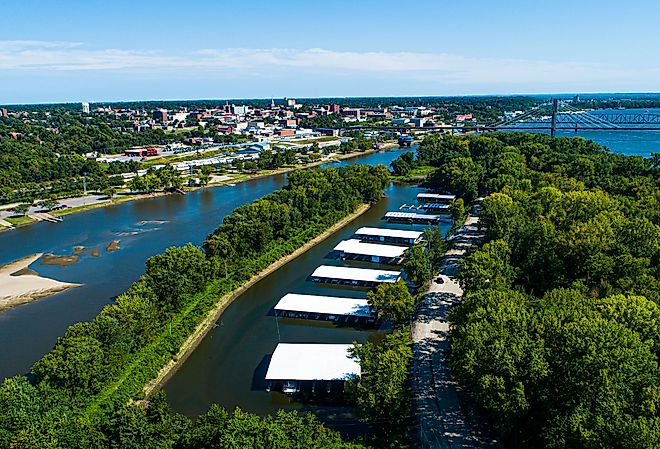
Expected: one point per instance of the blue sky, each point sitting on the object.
(53, 51)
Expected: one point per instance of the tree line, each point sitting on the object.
(79, 395)
(557, 337)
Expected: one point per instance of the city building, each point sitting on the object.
(160, 115)
(85, 108)
(288, 122)
(141, 152)
(3, 112)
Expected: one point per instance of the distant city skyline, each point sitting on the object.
(129, 51)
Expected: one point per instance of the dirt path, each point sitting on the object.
(442, 421)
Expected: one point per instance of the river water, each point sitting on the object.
(143, 227)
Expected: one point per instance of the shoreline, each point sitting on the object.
(208, 323)
(25, 288)
(248, 177)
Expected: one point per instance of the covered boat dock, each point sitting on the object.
(364, 277)
(293, 363)
(331, 308)
(371, 252)
(399, 236)
(412, 217)
(435, 198)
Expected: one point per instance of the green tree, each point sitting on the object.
(22, 209)
(48, 204)
(417, 266)
(381, 391)
(392, 301)
(488, 267)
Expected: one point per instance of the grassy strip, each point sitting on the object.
(19, 220)
(151, 365)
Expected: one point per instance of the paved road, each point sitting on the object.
(442, 421)
(71, 202)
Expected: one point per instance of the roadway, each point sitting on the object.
(441, 414)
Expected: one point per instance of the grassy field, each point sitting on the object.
(18, 220)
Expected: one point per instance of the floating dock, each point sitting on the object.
(399, 236)
(372, 252)
(435, 198)
(293, 363)
(331, 308)
(364, 277)
(412, 217)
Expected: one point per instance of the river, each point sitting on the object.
(144, 228)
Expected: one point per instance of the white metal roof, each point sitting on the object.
(412, 216)
(435, 196)
(385, 232)
(355, 246)
(309, 361)
(328, 305)
(356, 274)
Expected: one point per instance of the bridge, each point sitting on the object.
(549, 116)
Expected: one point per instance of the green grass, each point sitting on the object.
(416, 174)
(18, 220)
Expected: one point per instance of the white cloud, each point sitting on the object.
(441, 67)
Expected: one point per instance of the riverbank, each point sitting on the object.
(202, 329)
(239, 179)
(17, 288)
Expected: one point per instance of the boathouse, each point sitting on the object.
(331, 308)
(364, 277)
(371, 252)
(399, 236)
(412, 217)
(435, 198)
(293, 364)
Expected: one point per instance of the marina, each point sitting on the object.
(229, 366)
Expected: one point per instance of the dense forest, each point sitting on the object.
(83, 393)
(557, 339)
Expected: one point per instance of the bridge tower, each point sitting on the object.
(555, 107)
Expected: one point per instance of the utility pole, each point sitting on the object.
(555, 106)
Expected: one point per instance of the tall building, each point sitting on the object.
(160, 115)
(85, 108)
(3, 112)
(289, 102)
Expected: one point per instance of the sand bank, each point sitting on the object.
(15, 290)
